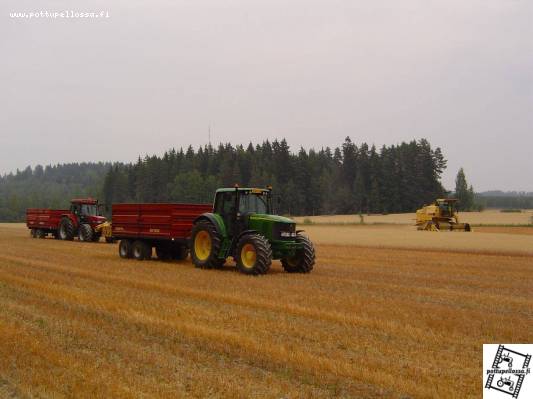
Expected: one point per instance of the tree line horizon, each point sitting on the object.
(348, 179)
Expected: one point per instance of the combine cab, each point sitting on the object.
(442, 215)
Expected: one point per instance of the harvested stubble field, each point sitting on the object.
(77, 321)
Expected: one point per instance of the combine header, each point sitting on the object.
(441, 215)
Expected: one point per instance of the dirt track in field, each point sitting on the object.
(78, 321)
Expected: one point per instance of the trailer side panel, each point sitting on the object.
(155, 221)
(45, 219)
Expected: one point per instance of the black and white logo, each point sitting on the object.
(506, 371)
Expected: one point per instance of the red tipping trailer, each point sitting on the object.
(167, 227)
(44, 221)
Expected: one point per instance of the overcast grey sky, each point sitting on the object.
(155, 74)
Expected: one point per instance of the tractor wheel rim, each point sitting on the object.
(248, 256)
(202, 245)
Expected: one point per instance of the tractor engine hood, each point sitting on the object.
(273, 227)
(271, 218)
(96, 219)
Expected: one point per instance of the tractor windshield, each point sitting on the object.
(254, 203)
(89, 210)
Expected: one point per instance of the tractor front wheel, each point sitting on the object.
(205, 245)
(66, 229)
(304, 259)
(85, 232)
(254, 254)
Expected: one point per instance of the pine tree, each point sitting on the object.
(463, 193)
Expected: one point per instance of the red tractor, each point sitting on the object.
(80, 220)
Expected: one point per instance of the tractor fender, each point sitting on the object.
(215, 220)
(243, 233)
(299, 231)
(72, 218)
(236, 239)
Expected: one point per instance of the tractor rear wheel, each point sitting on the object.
(254, 254)
(141, 250)
(205, 245)
(304, 260)
(124, 249)
(85, 232)
(66, 229)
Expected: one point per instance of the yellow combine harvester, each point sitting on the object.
(441, 215)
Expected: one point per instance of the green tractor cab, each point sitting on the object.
(243, 225)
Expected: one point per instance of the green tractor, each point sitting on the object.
(242, 225)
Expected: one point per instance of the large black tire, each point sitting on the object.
(124, 249)
(202, 233)
(304, 260)
(85, 232)
(253, 254)
(141, 250)
(66, 229)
